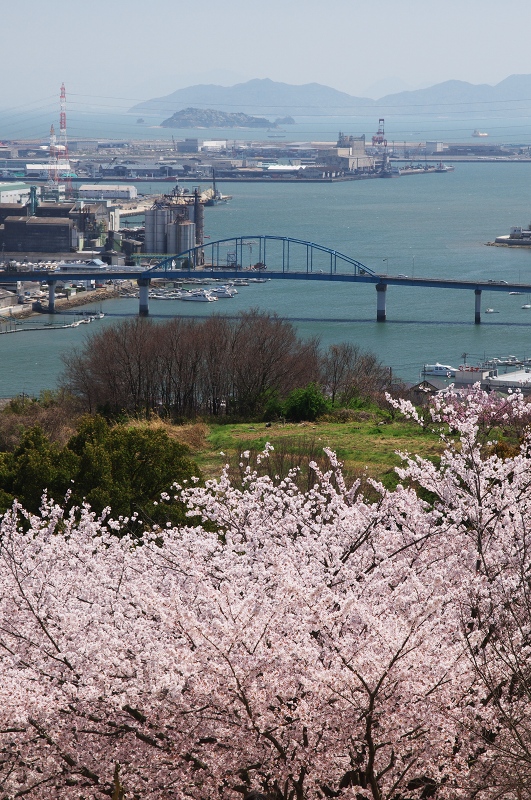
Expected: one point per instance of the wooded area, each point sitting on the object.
(213, 366)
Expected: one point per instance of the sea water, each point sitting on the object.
(434, 225)
(86, 120)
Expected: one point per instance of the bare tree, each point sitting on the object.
(189, 367)
(267, 358)
(348, 372)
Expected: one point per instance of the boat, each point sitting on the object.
(201, 296)
(390, 172)
(515, 292)
(223, 292)
(526, 305)
(441, 370)
(491, 311)
(216, 196)
(479, 134)
(413, 169)
(444, 167)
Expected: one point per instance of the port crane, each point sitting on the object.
(379, 140)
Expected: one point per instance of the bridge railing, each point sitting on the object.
(279, 253)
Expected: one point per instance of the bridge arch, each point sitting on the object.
(289, 255)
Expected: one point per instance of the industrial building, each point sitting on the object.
(168, 231)
(38, 234)
(137, 170)
(108, 191)
(52, 227)
(174, 224)
(348, 155)
(14, 192)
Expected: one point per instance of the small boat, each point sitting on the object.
(200, 296)
(491, 311)
(223, 292)
(515, 292)
(444, 167)
(526, 305)
(479, 134)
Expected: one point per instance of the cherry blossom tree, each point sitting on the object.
(300, 644)
(488, 498)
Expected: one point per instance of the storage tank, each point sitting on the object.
(161, 222)
(172, 238)
(149, 238)
(186, 236)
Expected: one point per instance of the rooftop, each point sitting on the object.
(6, 186)
(41, 220)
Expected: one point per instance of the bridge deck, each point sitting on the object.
(225, 274)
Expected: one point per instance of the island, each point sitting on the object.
(210, 118)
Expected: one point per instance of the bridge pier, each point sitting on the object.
(381, 289)
(51, 297)
(477, 314)
(143, 306)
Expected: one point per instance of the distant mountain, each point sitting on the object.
(271, 99)
(208, 118)
(386, 86)
(259, 96)
(451, 96)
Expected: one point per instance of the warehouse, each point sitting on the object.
(107, 191)
(37, 234)
(14, 192)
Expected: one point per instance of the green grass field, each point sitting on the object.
(366, 445)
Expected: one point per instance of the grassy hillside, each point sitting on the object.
(366, 444)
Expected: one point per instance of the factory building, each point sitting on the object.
(14, 192)
(433, 148)
(38, 234)
(134, 170)
(107, 191)
(53, 228)
(82, 146)
(189, 146)
(348, 155)
(10, 210)
(174, 224)
(168, 230)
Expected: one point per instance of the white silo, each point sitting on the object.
(172, 238)
(149, 239)
(186, 236)
(161, 222)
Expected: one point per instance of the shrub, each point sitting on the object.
(306, 404)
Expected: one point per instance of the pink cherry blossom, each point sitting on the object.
(301, 644)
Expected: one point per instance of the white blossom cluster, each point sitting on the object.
(301, 644)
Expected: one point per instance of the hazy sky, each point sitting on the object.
(121, 51)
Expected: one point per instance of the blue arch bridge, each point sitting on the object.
(278, 257)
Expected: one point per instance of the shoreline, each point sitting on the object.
(61, 303)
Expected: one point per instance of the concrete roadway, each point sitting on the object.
(381, 282)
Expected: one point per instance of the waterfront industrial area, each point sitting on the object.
(81, 205)
(59, 197)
